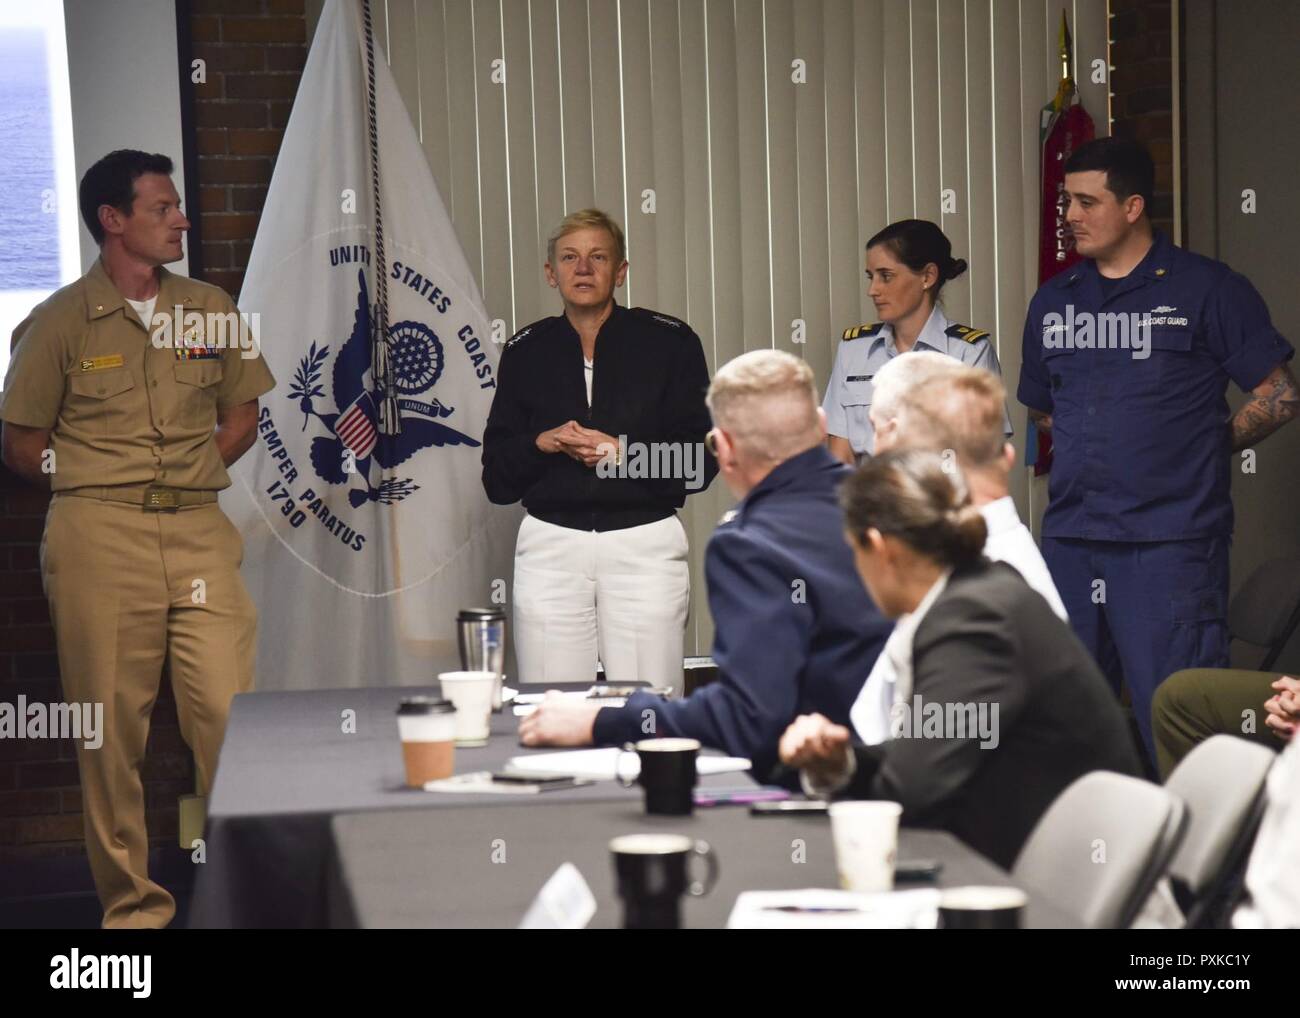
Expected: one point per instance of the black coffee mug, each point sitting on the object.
(651, 872)
(668, 774)
(981, 908)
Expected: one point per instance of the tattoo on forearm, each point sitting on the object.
(1266, 412)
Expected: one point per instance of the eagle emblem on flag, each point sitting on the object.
(354, 448)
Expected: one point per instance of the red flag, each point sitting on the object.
(1065, 126)
(1069, 129)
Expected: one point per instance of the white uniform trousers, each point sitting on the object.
(621, 595)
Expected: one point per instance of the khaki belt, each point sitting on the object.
(151, 496)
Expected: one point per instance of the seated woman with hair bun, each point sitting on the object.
(983, 705)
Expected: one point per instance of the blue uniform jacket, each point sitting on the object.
(1142, 445)
(795, 630)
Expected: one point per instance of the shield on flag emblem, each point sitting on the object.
(356, 426)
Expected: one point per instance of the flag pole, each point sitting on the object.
(390, 422)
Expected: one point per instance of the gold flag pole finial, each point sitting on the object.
(1066, 90)
(1066, 47)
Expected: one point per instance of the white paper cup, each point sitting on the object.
(471, 692)
(866, 843)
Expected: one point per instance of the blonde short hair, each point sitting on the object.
(960, 409)
(767, 401)
(585, 219)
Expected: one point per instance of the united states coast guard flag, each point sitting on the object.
(364, 520)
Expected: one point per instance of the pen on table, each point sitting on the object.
(739, 797)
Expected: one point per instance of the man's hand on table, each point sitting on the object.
(559, 720)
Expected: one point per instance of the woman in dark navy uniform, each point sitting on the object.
(598, 427)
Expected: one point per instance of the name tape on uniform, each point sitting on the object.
(112, 360)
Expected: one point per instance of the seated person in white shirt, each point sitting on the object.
(935, 403)
(996, 706)
(892, 381)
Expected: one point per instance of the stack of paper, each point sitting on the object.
(605, 765)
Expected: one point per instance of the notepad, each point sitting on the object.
(601, 763)
(817, 908)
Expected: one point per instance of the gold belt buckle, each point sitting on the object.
(158, 497)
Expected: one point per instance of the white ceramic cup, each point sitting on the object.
(866, 843)
(471, 692)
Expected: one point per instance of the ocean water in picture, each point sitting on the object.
(39, 240)
(29, 228)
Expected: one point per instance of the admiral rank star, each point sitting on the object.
(348, 450)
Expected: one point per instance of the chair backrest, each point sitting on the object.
(1101, 846)
(1266, 610)
(1222, 781)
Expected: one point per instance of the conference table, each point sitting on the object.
(310, 824)
(482, 867)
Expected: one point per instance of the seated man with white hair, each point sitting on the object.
(940, 405)
(894, 379)
(953, 409)
(898, 377)
(795, 631)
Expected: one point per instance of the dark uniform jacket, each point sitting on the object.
(988, 638)
(648, 386)
(794, 629)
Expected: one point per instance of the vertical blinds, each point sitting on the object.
(750, 148)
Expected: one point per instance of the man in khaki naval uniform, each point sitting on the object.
(133, 429)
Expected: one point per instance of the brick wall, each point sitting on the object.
(40, 809)
(1142, 91)
(253, 51)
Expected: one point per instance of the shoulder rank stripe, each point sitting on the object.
(517, 337)
(660, 317)
(863, 330)
(538, 328)
(965, 332)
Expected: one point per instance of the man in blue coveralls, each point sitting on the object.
(1127, 356)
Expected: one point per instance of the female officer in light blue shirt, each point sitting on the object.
(908, 263)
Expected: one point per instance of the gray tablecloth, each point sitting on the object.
(287, 765)
(482, 867)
